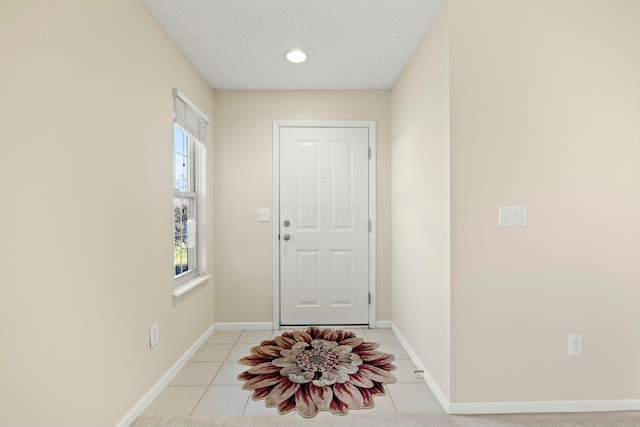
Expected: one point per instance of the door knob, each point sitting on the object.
(286, 237)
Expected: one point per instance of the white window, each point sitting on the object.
(189, 166)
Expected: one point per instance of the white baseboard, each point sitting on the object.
(431, 383)
(240, 326)
(150, 396)
(515, 407)
(383, 324)
(254, 326)
(554, 406)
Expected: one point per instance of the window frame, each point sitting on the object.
(192, 194)
(192, 122)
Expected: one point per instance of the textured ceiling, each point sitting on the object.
(351, 44)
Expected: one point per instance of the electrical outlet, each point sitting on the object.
(575, 345)
(154, 335)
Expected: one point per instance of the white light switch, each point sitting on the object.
(264, 215)
(512, 216)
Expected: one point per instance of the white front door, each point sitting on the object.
(324, 226)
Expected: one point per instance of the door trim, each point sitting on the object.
(371, 126)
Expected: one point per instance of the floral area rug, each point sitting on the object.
(317, 370)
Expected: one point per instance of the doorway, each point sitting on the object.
(323, 232)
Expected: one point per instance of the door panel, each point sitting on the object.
(342, 280)
(324, 249)
(307, 278)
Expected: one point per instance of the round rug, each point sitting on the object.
(316, 370)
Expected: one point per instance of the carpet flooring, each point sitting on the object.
(361, 419)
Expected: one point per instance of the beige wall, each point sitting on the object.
(541, 99)
(243, 159)
(420, 203)
(86, 118)
(545, 107)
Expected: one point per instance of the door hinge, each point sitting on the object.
(278, 237)
(369, 152)
(369, 226)
(369, 298)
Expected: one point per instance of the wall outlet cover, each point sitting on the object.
(575, 345)
(154, 335)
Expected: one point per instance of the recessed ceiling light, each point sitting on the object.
(296, 56)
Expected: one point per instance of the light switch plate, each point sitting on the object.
(512, 216)
(264, 215)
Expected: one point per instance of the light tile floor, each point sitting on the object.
(208, 385)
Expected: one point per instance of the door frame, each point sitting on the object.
(371, 126)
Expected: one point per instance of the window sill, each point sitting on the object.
(185, 287)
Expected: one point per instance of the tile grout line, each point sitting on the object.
(391, 398)
(198, 402)
(214, 376)
(246, 403)
(244, 408)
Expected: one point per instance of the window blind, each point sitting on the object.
(189, 116)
